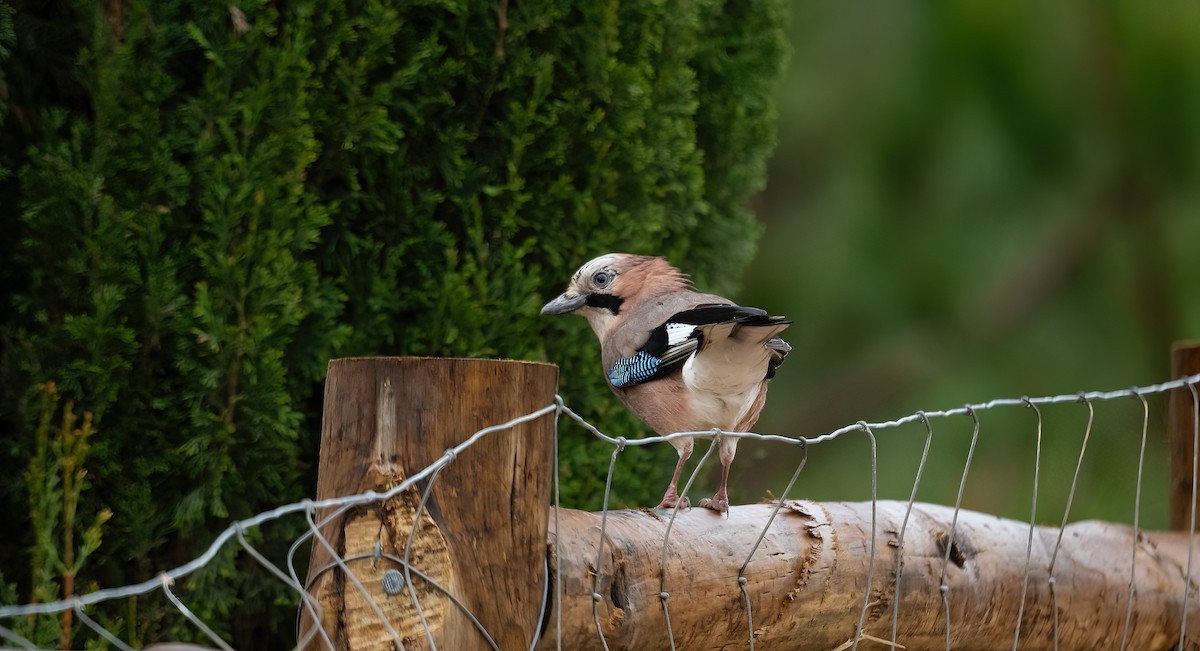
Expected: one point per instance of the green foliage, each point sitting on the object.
(219, 198)
(55, 480)
(7, 37)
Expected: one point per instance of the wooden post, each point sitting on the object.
(482, 534)
(1185, 360)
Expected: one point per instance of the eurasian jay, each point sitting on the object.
(681, 360)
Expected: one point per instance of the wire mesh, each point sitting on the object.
(332, 508)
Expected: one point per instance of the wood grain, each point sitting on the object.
(806, 582)
(1185, 360)
(482, 534)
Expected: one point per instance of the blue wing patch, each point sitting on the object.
(638, 368)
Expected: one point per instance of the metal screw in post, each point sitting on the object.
(393, 582)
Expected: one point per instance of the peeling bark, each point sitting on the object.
(806, 581)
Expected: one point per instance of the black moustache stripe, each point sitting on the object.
(605, 301)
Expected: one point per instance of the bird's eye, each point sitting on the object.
(601, 278)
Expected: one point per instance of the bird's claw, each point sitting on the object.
(716, 503)
(681, 503)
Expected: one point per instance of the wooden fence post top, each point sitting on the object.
(1185, 361)
(385, 420)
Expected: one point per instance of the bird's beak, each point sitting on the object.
(564, 303)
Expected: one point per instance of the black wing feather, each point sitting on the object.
(668, 357)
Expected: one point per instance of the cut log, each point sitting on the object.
(806, 581)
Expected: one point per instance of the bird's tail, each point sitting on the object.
(738, 354)
(759, 329)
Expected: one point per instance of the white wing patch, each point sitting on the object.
(677, 333)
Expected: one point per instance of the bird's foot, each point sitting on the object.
(673, 501)
(681, 503)
(718, 503)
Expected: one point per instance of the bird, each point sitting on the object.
(681, 360)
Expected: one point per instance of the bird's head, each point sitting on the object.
(607, 285)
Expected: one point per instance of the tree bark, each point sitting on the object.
(806, 581)
(482, 533)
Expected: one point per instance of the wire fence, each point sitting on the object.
(398, 581)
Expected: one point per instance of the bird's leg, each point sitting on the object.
(719, 502)
(671, 498)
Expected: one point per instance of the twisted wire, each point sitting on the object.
(912, 499)
(1037, 466)
(1187, 576)
(334, 507)
(862, 615)
(1137, 510)
(943, 587)
(1087, 432)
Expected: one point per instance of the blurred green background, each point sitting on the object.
(979, 200)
